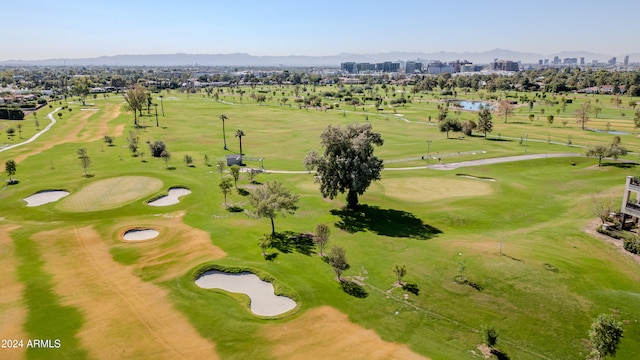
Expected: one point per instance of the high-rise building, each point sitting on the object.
(505, 65)
(349, 67)
(626, 60)
(581, 60)
(412, 67)
(612, 61)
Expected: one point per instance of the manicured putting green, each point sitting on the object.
(416, 189)
(111, 193)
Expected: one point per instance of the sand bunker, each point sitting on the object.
(140, 234)
(45, 197)
(172, 198)
(263, 300)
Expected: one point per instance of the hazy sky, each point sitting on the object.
(45, 29)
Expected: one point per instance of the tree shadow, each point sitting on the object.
(235, 209)
(500, 355)
(243, 192)
(271, 257)
(498, 139)
(620, 165)
(290, 241)
(386, 222)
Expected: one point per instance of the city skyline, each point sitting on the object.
(68, 30)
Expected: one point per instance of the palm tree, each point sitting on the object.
(239, 135)
(224, 117)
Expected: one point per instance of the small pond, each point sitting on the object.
(609, 132)
(172, 198)
(473, 105)
(263, 300)
(45, 197)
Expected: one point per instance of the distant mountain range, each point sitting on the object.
(242, 59)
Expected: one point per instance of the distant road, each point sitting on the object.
(37, 135)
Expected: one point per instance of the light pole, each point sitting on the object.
(162, 105)
(428, 150)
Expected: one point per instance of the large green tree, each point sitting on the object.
(604, 336)
(348, 164)
(613, 150)
(273, 199)
(82, 87)
(449, 125)
(136, 98)
(485, 124)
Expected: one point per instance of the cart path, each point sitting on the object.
(38, 134)
(455, 165)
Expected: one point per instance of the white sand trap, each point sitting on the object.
(172, 198)
(140, 234)
(45, 197)
(263, 301)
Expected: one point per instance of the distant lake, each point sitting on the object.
(473, 105)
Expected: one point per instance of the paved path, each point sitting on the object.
(37, 135)
(451, 166)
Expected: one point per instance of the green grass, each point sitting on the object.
(537, 209)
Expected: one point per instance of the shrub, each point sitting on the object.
(11, 114)
(632, 245)
(490, 336)
(157, 147)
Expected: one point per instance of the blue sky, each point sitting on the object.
(44, 29)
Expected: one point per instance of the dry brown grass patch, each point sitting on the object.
(333, 337)
(125, 317)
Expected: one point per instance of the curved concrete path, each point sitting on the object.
(37, 135)
(455, 165)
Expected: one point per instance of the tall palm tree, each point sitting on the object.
(239, 135)
(224, 117)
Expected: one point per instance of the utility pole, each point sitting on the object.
(428, 150)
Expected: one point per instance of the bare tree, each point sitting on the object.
(582, 114)
(85, 160)
(504, 108)
(321, 237)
